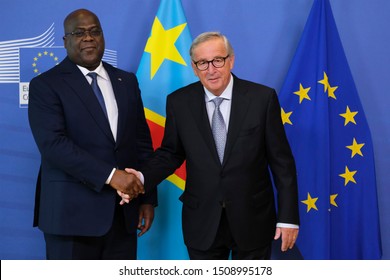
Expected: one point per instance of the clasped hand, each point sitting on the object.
(127, 184)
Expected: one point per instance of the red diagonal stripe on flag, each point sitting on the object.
(156, 124)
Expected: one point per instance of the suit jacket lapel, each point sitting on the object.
(197, 105)
(239, 109)
(76, 80)
(120, 97)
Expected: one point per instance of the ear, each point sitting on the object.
(67, 42)
(231, 61)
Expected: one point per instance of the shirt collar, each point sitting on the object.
(99, 70)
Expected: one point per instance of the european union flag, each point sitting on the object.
(36, 60)
(331, 142)
(165, 66)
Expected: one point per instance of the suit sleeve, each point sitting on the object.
(48, 126)
(282, 164)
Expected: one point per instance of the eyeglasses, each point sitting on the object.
(217, 62)
(82, 33)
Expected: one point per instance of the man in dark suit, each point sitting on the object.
(228, 201)
(84, 148)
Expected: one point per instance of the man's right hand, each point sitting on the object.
(127, 183)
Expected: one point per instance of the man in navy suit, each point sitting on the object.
(84, 148)
(228, 201)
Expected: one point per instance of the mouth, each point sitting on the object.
(213, 79)
(88, 48)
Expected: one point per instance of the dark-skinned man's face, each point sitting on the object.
(87, 49)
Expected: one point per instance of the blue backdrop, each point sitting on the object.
(264, 35)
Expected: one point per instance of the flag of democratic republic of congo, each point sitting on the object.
(164, 67)
(332, 146)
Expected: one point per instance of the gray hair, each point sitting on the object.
(206, 36)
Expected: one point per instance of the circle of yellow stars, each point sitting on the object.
(41, 55)
(355, 147)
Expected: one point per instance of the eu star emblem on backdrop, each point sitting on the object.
(332, 145)
(33, 62)
(164, 67)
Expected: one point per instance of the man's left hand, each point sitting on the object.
(146, 216)
(289, 236)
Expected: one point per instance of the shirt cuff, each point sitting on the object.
(141, 177)
(284, 225)
(110, 177)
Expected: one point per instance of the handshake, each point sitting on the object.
(127, 184)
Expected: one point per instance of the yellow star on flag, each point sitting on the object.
(333, 199)
(328, 87)
(161, 45)
(349, 116)
(302, 93)
(325, 82)
(286, 117)
(310, 202)
(348, 176)
(331, 91)
(355, 148)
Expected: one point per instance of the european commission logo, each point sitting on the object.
(23, 59)
(32, 62)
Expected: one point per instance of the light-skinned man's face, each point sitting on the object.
(214, 79)
(86, 50)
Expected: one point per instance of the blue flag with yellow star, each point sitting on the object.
(164, 67)
(331, 142)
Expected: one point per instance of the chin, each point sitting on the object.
(91, 63)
